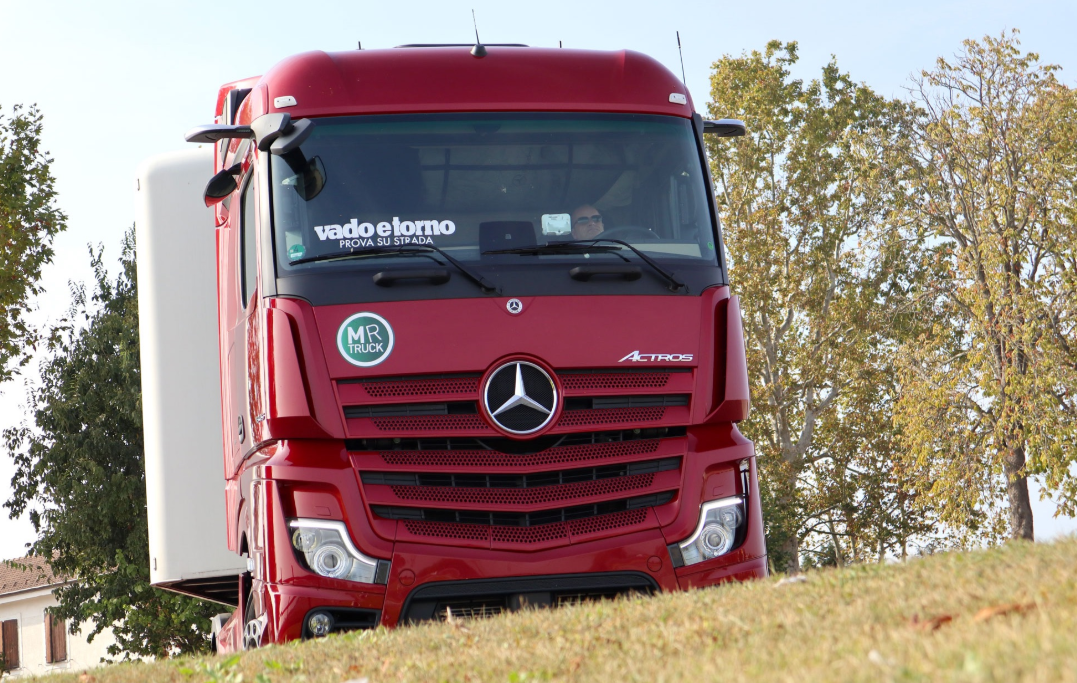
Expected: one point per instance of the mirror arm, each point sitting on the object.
(214, 133)
(725, 128)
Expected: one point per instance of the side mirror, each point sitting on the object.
(221, 185)
(725, 128)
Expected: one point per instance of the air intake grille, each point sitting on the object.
(429, 457)
(520, 481)
(526, 535)
(491, 459)
(533, 496)
(586, 380)
(582, 418)
(396, 387)
(521, 519)
(434, 423)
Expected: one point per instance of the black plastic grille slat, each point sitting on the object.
(521, 519)
(411, 378)
(511, 446)
(623, 371)
(621, 402)
(521, 481)
(411, 409)
(481, 597)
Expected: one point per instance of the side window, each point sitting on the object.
(248, 247)
(55, 639)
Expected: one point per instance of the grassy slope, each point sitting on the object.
(862, 623)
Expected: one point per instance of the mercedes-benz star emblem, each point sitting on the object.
(520, 397)
(514, 306)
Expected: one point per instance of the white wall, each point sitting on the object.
(29, 608)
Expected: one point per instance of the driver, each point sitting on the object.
(586, 222)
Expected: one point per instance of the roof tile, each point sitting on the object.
(24, 573)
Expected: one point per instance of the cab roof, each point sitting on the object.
(450, 78)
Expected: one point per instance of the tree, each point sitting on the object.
(29, 220)
(988, 393)
(80, 474)
(804, 201)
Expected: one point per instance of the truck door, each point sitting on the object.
(238, 330)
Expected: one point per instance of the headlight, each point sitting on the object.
(719, 523)
(327, 549)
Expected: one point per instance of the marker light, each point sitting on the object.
(327, 549)
(719, 521)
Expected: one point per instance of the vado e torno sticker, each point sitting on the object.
(365, 339)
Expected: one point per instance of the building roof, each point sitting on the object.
(25, 573)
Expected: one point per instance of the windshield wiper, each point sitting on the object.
(556, 248)
(584, 246)
(413, 249)
(359, 253)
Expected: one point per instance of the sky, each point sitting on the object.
(121, 81)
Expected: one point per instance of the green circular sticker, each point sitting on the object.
(296, 251)
(365, 339)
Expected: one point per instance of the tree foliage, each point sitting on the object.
(909, 281)
(80, 474)
(806, 200)
(29, 220)
(988, 395)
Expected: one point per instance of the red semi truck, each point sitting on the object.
(477, 344)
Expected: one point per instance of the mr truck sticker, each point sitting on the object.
(365, 339)
(354, 234)
(637, 357)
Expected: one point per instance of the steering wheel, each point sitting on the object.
(629, 233)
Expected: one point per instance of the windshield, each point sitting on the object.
(476, 184)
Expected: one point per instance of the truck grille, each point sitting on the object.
(434, 471)
(555, 534)
(464, 384)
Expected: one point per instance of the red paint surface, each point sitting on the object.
(285, 380)
(451, 79)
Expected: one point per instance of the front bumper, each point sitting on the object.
(286, 592)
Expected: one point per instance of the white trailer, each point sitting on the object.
(181, 394)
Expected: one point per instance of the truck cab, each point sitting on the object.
(478, 349)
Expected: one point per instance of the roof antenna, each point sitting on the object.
(683, 79)
(560, 44)
(360, 45)
(479, 50)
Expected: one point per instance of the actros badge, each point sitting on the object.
(365, 339)
(637, 357)
(520, 397)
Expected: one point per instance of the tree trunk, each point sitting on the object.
(1017, 492)
(791, 549)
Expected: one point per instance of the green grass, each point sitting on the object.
(1003, 614)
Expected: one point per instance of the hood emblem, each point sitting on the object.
(520, 397)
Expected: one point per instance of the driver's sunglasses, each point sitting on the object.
(584, 220)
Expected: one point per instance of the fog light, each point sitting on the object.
(319, 624)
(719, 521)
